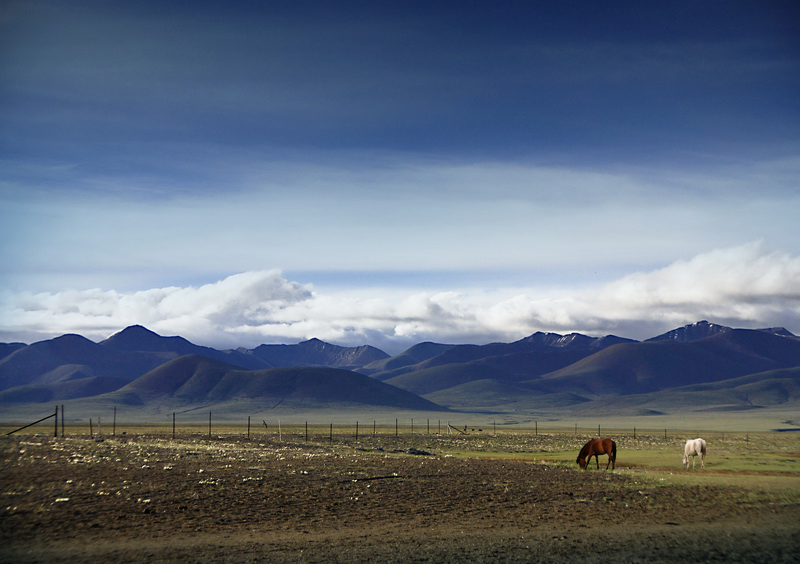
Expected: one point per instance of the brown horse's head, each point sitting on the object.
(581, 462)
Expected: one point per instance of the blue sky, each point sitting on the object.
(247, 172)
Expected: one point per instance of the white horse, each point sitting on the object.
(694, 447)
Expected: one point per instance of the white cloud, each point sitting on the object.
(743, 286)
(206, 313)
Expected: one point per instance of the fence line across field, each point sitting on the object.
(358, 430)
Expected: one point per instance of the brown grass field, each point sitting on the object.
(484, 496)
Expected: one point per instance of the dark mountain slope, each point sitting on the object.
(780, 331)
(754, 391)
(318, 353)
(639, 368)
(773, 387)
(194, 379)
(168, 378)
(757, 349)
(651, 366)
(538, 342)
(692, 332)
(137, 338)
(491, 395)
(479, 394)
(541, 341)
(704, 329)
(8, 348)
(414, 355)
(430, 380)
(66, 373)
(527, 358)
(40, 362)
(528, 365)
(62, 390)
(461, 354)
(508, 368)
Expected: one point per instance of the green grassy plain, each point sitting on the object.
(762, 464)
(740, 456)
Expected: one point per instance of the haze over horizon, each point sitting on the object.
(363, 173)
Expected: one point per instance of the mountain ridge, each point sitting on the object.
(138, 366)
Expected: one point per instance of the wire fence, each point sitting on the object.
(253, 428)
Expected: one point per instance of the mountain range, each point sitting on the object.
(702, 366)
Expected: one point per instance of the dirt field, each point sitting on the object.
(151, 499)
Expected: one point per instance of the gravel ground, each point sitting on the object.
(149, 499)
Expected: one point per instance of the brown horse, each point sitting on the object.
(594, 448)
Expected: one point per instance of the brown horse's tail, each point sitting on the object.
(614, 451)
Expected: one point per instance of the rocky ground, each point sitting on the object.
(150, 499)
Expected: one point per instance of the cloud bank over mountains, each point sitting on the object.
(745, 286)
(415, 171)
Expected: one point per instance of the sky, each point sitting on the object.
(383, 173)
